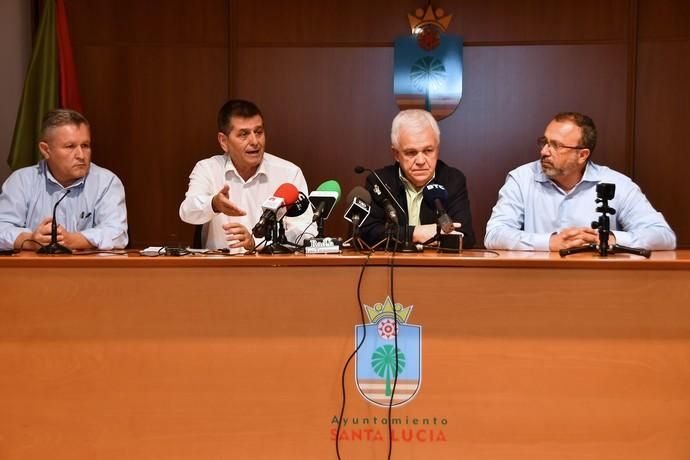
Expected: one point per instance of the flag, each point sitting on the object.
(50, 83)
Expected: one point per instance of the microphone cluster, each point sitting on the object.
(288, 201)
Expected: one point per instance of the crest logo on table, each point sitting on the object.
(428, 64)
(375, 361)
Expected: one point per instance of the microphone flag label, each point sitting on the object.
(428, 65)
(376, 360)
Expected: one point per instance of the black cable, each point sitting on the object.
(259, 246)
(353, 354)
(21, 246)
(486, 251)
(174, 251)
(395, 349)
(301, 235)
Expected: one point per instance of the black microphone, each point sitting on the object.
(323, 199)
(300, 206)
(385, 203)
(54, 247)
(359, 206)
(436, 196)
(383, 196)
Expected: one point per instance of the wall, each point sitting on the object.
(153, 75)
(662, 155)
(15, 52)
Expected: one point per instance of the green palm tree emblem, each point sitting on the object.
(383, 363)
(427, 73)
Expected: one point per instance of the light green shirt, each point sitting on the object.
(414, 199)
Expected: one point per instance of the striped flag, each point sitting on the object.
(50, 83)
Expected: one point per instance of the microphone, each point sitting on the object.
(324, 198)
(359, 206)
(299, 207)
(383, 199)
(275, 207)
(436, 196)
(54, 247)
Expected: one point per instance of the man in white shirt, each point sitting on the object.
(226, 191)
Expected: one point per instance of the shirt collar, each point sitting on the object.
(230, 167)
(591, 174)
(49, 176)
(409, 186)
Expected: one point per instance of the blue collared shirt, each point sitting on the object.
(95, 206)
(531, 207)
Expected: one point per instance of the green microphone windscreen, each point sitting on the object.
(330, 186)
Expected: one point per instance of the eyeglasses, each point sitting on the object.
(555, 145)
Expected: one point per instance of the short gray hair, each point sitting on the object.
(413, 118)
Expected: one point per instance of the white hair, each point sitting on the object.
(413, 119)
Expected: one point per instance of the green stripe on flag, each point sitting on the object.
(40, 93)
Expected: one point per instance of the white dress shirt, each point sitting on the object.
(210, 175)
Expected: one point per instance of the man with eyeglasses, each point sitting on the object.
(226, 191)
(549, 204)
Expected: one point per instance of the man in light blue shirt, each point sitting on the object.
(549, 204)
(92, 215)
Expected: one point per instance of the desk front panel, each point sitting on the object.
(210, 362)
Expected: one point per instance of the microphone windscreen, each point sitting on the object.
(361, 193)
(300, 206)
(288, 193)
(331, 186)
(435, 191)
(360, 169)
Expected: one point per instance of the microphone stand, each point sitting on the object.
(54, 247)
(319, 226)
(406, 245)
(276, 234)
(603, 225)
(357, 242)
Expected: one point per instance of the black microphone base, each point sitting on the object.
(275, 249)
(53, 248)
(408, 246)
(396, 245)
(605, 251)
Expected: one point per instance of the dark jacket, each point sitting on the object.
(373, 229)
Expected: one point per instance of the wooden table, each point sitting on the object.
(523, 356)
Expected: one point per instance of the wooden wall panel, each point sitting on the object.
(152, 76)
(664, 19)
(662, 158)
(331, 22)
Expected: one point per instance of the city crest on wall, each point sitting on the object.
(428, 64)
